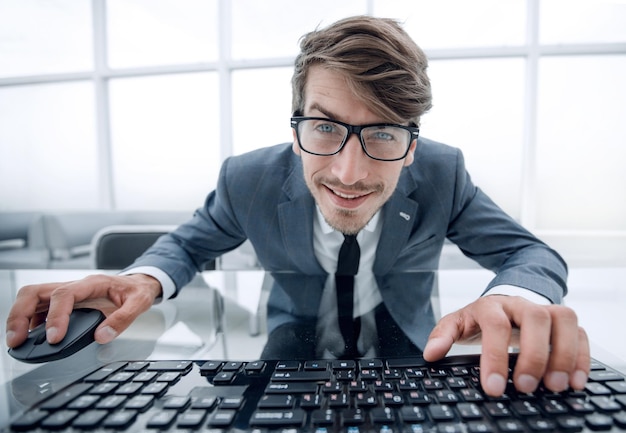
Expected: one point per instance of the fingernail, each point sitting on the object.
(10, 335)
(495, 384)
(526, 383)
(557, 381)
(105, 335)
(52, 334)
(579, 379)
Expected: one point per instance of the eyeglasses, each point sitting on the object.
(380, 141)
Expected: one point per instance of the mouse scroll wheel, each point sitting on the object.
(39, 339)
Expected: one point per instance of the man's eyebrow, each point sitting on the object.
(325, 112)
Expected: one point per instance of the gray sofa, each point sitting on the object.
(22, 241)
(62, 240)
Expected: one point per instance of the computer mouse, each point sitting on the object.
(80, 333)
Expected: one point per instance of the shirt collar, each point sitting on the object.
(326, 228)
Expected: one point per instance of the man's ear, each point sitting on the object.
(295, 146)
(410, 157)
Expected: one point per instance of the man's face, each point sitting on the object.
(349, 187)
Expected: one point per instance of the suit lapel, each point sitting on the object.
(296, 222)
(399, 215)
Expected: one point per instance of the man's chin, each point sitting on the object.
(346, 221)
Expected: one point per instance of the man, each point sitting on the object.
(356, 167)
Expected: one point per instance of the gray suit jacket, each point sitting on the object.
(262, 196)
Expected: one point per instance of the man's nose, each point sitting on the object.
(351, 164)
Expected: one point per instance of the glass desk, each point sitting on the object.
(220, 316)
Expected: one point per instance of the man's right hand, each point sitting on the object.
(121, 298)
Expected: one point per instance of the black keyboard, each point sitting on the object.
(374, 395)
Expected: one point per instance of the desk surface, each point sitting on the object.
(187, 326)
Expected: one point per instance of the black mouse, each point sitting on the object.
(80, 333)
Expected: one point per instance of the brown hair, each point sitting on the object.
(383, 66)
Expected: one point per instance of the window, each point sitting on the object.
(120, 104)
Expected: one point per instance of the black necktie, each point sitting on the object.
(347, 267)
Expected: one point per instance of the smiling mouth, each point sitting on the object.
(347, 196)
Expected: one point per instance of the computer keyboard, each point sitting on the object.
(321, 396)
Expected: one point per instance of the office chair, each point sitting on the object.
(116, 247)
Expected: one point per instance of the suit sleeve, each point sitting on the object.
(486, 234)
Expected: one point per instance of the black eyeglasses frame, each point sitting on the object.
(355, 129)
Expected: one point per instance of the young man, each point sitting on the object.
(355, 167)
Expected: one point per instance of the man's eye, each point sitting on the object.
(325, 127)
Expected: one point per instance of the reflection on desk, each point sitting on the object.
(210, 319)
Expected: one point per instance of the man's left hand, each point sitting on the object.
(552, 346)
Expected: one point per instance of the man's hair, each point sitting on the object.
(382, 65)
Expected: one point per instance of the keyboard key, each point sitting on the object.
(192, 419)
(181, 366)
(162, 419)
(605, 403)
(469, 411)
(111, 402)
(541, 425)
(351, 417)
(316, 365)
(254, 367)
(222, 418)
(441, 412)
(382, 415)
(210, 368)
(104, 372)
(89, 419)
(291, 388)
(277, 401)
(301, 376)
(618, 387)
(29, 420)
(510, 425)
(64, 397)
(287, 365)
(277, 418)
(604, 375)
(231, 403)
(232, 366)
(179, 403)
(206, 403)
(412, 414)
(59, 419)
(83, 402)
(121, 419)
(311, 401)
(140, 403)
(599, 421)
(322, 417)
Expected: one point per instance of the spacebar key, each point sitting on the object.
(267, 418)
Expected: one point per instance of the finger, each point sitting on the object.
(442, 337)
(120, 319)
(26, 311)
(134, 294)
(63, 301)
(578, 380)
(496, 328)
(534, 323)
(565, 347)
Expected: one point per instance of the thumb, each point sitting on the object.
(441, 339)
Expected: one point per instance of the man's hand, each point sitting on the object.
(552, 345)
(121, 298)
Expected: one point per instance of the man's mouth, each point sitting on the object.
(347, 199)
(348, 196)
